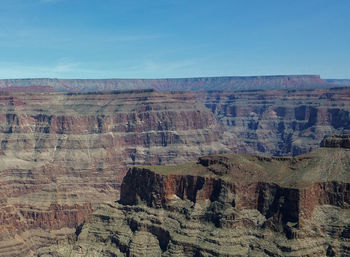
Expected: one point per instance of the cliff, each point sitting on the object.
(63, 154)
(280, 122)
(225, 205)
(339, 141)
(180, 84)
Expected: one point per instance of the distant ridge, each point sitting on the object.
(173, 84)
(344, 82)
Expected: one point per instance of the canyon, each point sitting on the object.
(226, 205)
(64, 155)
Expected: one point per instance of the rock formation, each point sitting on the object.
(280, 122)
(181, 84)
(338, 82)
(340, 141)
(225, 205)
(63, 154)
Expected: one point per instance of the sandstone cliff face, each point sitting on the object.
(63, 154)
(284, 207)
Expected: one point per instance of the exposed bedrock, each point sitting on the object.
(257, 206)
(339, 141)
(279, 204)
(280, 122)
(64, 154)
(70, 151)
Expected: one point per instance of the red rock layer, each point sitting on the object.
(281, 205)
(63, 154)
(73, 149)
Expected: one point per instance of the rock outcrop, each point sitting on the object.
(339, 141)
(63, 154)
(181, 84)
(283, 122)
(227, 205)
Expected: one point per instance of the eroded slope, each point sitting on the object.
(280, 122)
(227, 205)
(63, 154)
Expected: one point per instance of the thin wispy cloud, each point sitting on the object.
(71, 69)
(15, 70)
(146, 67)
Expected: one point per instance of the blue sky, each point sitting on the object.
(173, 38)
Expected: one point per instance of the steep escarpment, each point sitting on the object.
(180, 84)
(227, 205)
(280, 122)
(63, 154)
(339, 141)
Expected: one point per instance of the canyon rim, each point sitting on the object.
(64, 156)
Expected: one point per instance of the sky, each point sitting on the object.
(173, 38)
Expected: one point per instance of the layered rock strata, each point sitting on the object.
(226, 205)
(339, 141)
(62, 154)
(280, 122)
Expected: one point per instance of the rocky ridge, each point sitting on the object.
(344, 82)
(228, 83)
(225, 205)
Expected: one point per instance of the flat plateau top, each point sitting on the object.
(324, 164)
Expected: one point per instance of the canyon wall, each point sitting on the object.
(280, 122)
(63, 154)
(227, 205)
